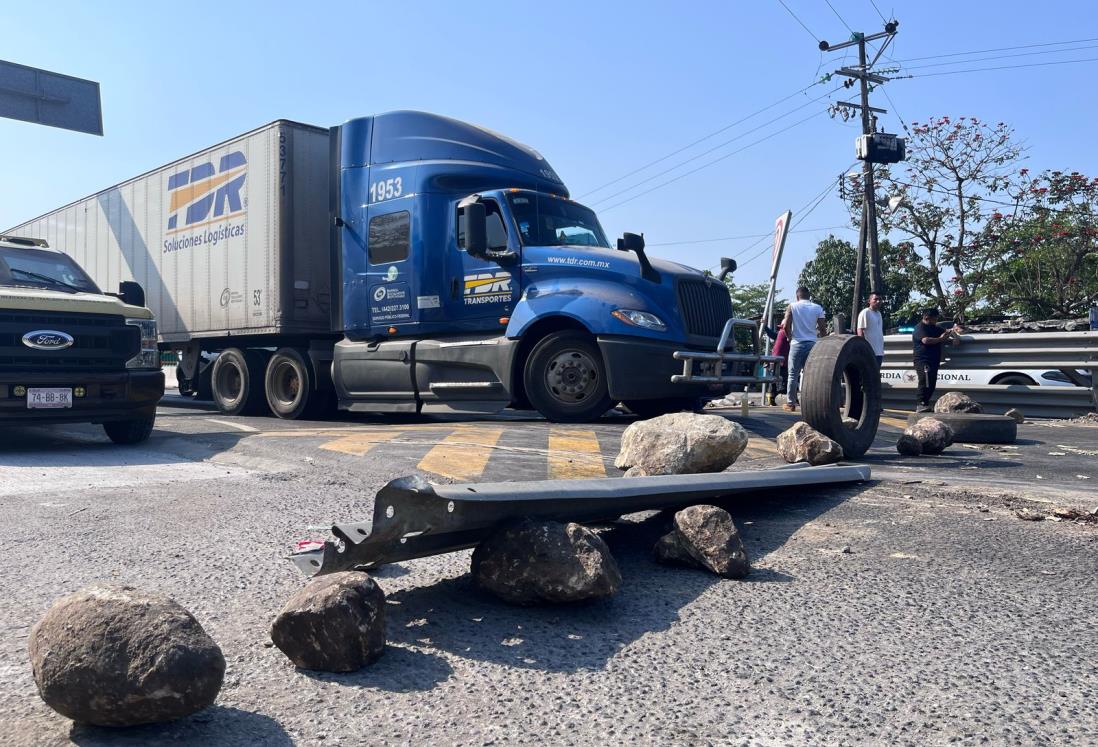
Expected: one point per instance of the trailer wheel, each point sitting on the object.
(565, 378)
(841, 392)
(291, 385)
(237, 380)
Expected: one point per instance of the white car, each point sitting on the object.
(906, 378)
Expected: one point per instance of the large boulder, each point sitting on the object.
(335, 623)
(957, 402)
(705, 537)
(110, 655)
(531, 562)
(681, 443)
(933, 435)
(803, 443)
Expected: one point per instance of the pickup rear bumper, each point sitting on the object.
(108, 396)
(641, 369)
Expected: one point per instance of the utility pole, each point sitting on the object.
(872, 148)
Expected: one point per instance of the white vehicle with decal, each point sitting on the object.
(906, 378)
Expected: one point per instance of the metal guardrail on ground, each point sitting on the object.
(1067, 351)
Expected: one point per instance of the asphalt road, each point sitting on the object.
(912, 610)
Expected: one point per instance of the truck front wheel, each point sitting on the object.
(291, 385)
(237, 381)
(126, 432)
(565, 378)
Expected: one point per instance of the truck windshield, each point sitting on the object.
(43, 269)
(552, 221)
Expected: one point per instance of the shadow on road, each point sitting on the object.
(456, 617)
(400, 669)
(79, 445)
(215, 725)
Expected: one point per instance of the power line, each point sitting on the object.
(710, 163)
(883, 19)
(838, 16)
(716, 147)
(985, 59)
(998, 49)
(798, 20)
(999, 67)
(699, 140)
(884, 90)
(818, 200)
(747, 236)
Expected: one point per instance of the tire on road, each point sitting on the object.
(973, 427)
(290, 385)
(237, 381)
(128, 432)
(565, 378)
(841, 382)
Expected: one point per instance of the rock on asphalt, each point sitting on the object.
(335, 623)
(933, 435)
(681, 443)
(803, 443)
(705, 537)
(112, 655)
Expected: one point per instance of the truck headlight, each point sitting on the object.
(640, 319)
(149, 357)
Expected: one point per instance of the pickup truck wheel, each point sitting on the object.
(565, 378)
(128, 432)
(841, 392)
(237, 380)
(651, 408)
(290, 385)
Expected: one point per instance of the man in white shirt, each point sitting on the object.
(803, 323)
(871, 327)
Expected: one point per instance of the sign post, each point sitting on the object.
(39, 96)
(781, 230)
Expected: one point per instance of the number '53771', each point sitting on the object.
(386, 189)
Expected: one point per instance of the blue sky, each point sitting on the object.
(599, 88)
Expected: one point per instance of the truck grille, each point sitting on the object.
(102, 342)
(705, 306)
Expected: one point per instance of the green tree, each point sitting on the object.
(749, 299)
(1046, 248)
(943, 196)
(830, 276)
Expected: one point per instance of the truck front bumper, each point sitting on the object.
(639, 369)
(107, 396)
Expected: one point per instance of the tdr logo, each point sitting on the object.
(201, 190)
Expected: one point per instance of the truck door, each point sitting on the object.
(390, 283)
(481, 292)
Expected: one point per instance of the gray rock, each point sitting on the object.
(681, 443)
(635, 472)
(531, 562)
(1026, 514)
(957, 402)
(802, 443)
(933, 435)
(1016, 415)
(705, 537)
(111, 655)
(335, 623)
(908, 445)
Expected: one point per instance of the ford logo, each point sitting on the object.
(48, 339)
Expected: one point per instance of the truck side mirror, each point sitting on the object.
(728, 266)
(131, 293)
(631, 242)
(476, 229)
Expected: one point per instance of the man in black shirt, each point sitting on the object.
(927, 340)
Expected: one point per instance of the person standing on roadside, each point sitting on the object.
(871, 326)
(803, 324)
(927, 341)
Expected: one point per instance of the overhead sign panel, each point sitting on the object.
(46, 98)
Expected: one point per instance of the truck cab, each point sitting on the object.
(70, 352)
(471, 280)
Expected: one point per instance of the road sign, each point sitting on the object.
(46, 98)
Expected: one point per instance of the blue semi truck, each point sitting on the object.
(403, 262)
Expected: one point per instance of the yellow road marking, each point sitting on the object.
(462, 455)
(358, 444)
(900, 423)
(574, 454)
(760, 447)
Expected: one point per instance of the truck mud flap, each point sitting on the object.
(415, 519)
